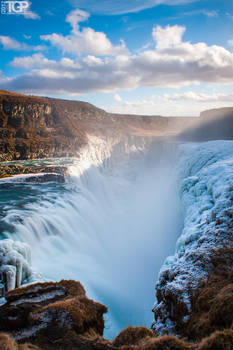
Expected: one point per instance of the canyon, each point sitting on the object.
(193, 308)
(38, 127)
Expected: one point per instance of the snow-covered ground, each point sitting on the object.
(206, 193)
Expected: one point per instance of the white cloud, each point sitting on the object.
(211, 13)
(152, 107)
(28, 13)
(113, 7)
(49, 13)
(230, 42)
(170, 36)
(31, 15)
(117, 98)
(135, 107)
(198, 97)
(187, 104)
(9, 43)
(75, 17)
(36, 60)
(229, 15)
(173, 63)
(3, 79)
(85, 41)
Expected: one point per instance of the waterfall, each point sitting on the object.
(110, 226)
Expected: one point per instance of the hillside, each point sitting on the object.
(38, 127)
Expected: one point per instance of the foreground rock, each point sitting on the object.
(59, 316)
(53, 316)
(217, 341)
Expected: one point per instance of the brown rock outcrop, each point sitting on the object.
(9, 170)
(39, 127)
(59, 316)
(212, 305)
(53, 316)
(32, 127)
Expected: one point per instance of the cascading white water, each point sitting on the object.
(112, 227)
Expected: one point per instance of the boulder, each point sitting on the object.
(54, 316)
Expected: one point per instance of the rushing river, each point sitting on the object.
(110, 225)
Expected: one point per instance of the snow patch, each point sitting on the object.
(40, 298)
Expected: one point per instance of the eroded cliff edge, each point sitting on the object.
(39, 127)
(36, 127)
(195, 292)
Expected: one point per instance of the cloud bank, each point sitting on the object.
(99, 66)
(9, 43)
(86, 41)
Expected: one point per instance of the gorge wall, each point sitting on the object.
(194, 291)
(38, 127)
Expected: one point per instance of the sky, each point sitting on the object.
(149, 57)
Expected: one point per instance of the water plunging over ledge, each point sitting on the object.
(110, 226)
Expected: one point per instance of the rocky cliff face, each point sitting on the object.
(194, 292)
(52, 315)
(33, 127)
(215, 124)
(38, 127)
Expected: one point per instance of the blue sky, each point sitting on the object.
(166, 57)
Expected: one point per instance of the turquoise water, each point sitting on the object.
(110, 225)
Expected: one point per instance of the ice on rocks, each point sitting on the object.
(206, 192)
(15, 265)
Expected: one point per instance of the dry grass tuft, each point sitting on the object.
(132, 335)
(7, 343)
(212, 308)
(218, 341)
(164, 343)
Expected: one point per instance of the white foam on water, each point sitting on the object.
(112, 228)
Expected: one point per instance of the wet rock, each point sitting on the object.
(43, 178)
(9, 170)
